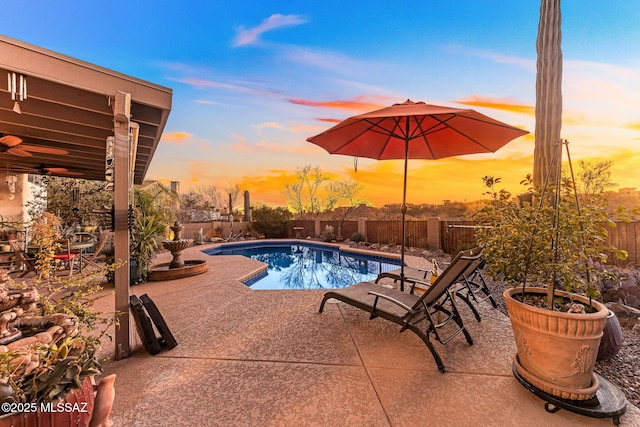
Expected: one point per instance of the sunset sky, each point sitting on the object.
(252, 80)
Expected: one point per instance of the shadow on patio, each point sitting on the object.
(268, 358)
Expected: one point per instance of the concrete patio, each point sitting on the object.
(268, 358)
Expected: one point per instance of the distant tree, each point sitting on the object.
(304, 195)
(211, 196)
(595, 177)
(193, 200)
(344, 195)
(73, 200)
(217, 198)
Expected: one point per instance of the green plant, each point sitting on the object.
(559, 241)
(358, 237)
(152, 218)
(272, 222)
(328, 234)
(60, 331)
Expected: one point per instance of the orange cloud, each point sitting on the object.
(320, 119)
(264, 146)
(357, 106)
(176, 137)
(498, 104)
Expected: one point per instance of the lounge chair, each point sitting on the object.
(471, 281)
(420, 314)
(474, 284)
(29, 264)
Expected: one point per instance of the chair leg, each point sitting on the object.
(466, 299)
(425, 338)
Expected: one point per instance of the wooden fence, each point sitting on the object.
(457, 235)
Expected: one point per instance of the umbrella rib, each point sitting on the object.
(443, 122)
(382, 131)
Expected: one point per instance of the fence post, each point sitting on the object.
(362, 226)
(317, 228)
(433, 233)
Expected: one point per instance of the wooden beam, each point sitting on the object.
(121, 234)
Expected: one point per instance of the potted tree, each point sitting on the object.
(550, 251)
(49, 339)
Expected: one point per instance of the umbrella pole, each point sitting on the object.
(404, 209)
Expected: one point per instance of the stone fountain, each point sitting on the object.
(177, 268)
(177, 245)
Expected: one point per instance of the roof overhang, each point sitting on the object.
(70, 108)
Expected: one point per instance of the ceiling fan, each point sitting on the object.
(13, 145)
(43, 169)
(47, 170)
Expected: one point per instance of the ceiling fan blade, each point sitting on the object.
(63, 171)
(44, 150)
(72, 173)
(19, 152)
(10, 140)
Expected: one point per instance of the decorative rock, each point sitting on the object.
(628, 317)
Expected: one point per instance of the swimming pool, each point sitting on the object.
(306, 265)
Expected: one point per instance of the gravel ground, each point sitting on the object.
(623, 369)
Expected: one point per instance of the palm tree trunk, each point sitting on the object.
(548, 93)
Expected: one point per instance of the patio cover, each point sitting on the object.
(75, 106)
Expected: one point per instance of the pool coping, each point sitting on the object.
(341, 247)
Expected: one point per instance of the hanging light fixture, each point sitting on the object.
(11, 184)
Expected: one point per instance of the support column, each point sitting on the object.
(121, 211)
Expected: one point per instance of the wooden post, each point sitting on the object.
(121, 232)
(362, 227)
(433, 233)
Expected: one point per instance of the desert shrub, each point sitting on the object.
(357, 237)
(272, 222)
(328, 234)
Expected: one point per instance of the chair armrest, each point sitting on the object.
(388, 298)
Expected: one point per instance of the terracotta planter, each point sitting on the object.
(75, 410)
(556, 350)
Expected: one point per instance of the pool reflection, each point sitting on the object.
(304, 267)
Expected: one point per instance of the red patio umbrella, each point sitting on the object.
(415, 130)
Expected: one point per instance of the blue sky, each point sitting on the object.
(252, 80)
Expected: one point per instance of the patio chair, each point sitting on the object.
(66, 256)
(28, 263)
(90, 259)
(419, 314)
(471, 281)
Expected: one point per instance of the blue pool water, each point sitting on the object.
(303, 265)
